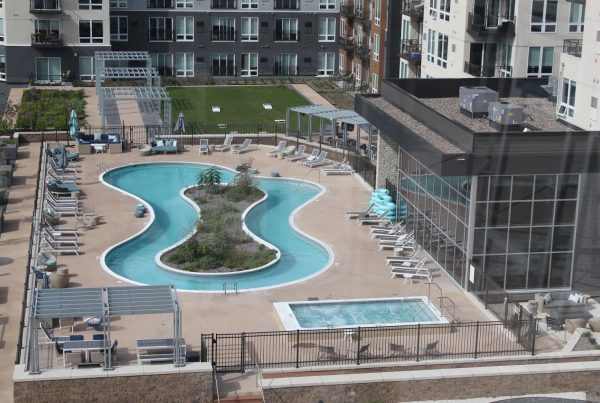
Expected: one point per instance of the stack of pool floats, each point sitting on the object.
(382, 202)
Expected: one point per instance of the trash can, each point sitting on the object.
(192, 356)
(203, 352)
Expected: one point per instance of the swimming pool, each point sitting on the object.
(159, 186)
(368, 312)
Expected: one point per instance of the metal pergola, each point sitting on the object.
(151, 92)
(305, 110)
(103, 303)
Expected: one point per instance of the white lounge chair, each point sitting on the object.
(341, 168)
(399, 241)
(356, 214)
(278, 149)
(377, 232)
(68, 230)
(320, 160)
(374, 220)
(59, 236)
(412, 256)
(245, 146)
(298, 155)
(203, 146)
(59, 247)
(226, 144)
(311, 157)
(414, 263)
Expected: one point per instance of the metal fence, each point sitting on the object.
(236, 352)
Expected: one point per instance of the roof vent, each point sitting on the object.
(475, 100)
(505, 115)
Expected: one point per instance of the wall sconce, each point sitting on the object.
(75, 54)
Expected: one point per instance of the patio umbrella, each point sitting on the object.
(180, 124)
(73, 124)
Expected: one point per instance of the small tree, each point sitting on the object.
(209, 178)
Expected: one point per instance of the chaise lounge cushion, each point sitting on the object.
(165, 146)
(560, 300)
(99, 138)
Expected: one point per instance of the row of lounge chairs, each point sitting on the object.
(330, 353)
(313, 160)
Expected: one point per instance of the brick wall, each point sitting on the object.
(387, 161)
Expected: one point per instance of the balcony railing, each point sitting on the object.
(572, 47)
(413, 8)
(286, 36)
(477, 70)
(46, 40)
(364, 53)
(364, 17)
(345, 43)
(410, 49)
(45, 6)
(347, 11)
(491, 25)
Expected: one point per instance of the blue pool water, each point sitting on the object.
(159, 185)
(362, 313)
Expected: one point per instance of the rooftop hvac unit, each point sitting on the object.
(475, 100)
(505, 114)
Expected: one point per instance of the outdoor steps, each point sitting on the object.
(245, 398)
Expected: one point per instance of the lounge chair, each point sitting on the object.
(398, 350)
(431, 349)
(55, 186)
(328, 353)
(204, 146)
(245, 146)
(46, 260)
(363, 351)
(357, 214)
(320, 160)
(58, 236)
(374, 220)
(64, 210)
(62, 201)
(59, 169)
(341, 168)
(59, 248)
(41, 275)
(406, 264)
(311, 157)
(51, 217)
(53, 228)
(377, 231)
(278, 149)
(55, 152)
(412, 256)
(298, 155)
(410, 273)
(396, 241)
(226, 144)
(60, 176)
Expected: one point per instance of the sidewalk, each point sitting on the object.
(311, 95)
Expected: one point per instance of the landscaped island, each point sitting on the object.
(220, 245)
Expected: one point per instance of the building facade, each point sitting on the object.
(186, 38)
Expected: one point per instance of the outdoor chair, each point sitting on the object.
(554, 323)
(363, 351)
(204, 146)
(397, 350)
(55, 186)
(341, 168)
(96, 357)
(278, 149)
(298, 155)
(318, 160)
(74, 358)
(358, 214)
(412, 256)
(46, 260)
(378, 219)
(431, 349)
(328, 353)
(98, 336)
(51, 217)
(311, 157)
(226, 144)
(65, 230)
(245, 146)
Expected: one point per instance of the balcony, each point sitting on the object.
(46, 40)
(364, 53)
(572, 47)
(477, 70)
(364, 18)
(223, 4)
(45, 6)
(413, 8)
(286, 36)
(347, 12)
(410, 49)
(346, 43)
(491, 26)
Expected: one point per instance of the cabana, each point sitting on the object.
(103, 303)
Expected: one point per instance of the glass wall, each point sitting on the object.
(438, 212)
(525, 230)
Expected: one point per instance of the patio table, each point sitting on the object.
(86, 346)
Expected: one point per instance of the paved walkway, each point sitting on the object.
(311, 95)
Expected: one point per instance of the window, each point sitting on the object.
(249, 3)
(185, 29)
(433, 9)
(90, 4)
(118, 28)
(227, 4)
(115, 4)
(285, 64)
(160, 3)
(160, 29)
(184, 4)
(2, 68)
(326, 4)
(286, 29)
(223, 64)
(540, 61)
(341, 64)
(1, 29)
(593, 108)
(444, 10)
(326, 29)
(576, 17)
(326, 63)
(543, 15)
(567, 99)
(223, 29)
(249, 64)
(287, 4)
(375, 84)
(506, 67)
(184, 65)
(90, 31)
(431, 46)
(359, 35)
(376, 47)
(358, 75)
(86, 68)
(250, 29)
(163, 62)
(442, 50)
(403, 69)
(47, 69)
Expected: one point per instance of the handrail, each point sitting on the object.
(225, 287)
(259, 381)
(418, 288)
(441, 306)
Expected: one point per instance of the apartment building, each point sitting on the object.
(48, 40)
(578, 84)
(362, 40)
(486, 38)
(186, 38)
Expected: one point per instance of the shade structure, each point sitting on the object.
(180, 124)
(73, 124)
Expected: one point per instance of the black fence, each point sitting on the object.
(236, 352)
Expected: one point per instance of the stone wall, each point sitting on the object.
(387, 161)
(150, 383)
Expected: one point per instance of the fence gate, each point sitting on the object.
(227, 352)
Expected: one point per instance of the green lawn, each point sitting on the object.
(239, 105)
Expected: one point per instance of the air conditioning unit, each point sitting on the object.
(505, 114)
(475, 100)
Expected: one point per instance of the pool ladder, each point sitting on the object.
(235, 287)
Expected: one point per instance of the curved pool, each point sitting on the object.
(159, 185)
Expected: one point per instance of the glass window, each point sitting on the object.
(375, 47)
(249, 3)
(184, 64)
(2, 68)
(576, 17)
(223, 4)
(539, 267)
(185, 29)
(543, 15)
(223, 29)
(520, 213)
(1, 29)
(522, 188)
(326, 4)
(223, 64)
(543, 213)
(48, 69)
(495, 267)
(541, 239)
(567, 186)
(286, 64)
(326, 63)
(160, 29)
(86, 68)
(500, 187)
(90, 4)
(184, 4)
(250, 29)
(431, 36)
(563, 238)
(444, 10)
(375, 84)
(249, 64)
(545, 186)
(287, 4)
(496, 241)
(118, 28)
(118, 3)
(498, 214)
(163, 62)
(540, 61)
(377, 12)
(518, 240)
(442, 50)
(90, 31)
(482, 188)
(560, 272)
(286, 29)
(516, 271)
(326, 29)
(567, 101)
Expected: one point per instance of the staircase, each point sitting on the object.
(239, 387)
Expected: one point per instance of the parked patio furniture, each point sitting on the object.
(573, 324)
(204, 146)
(245, 146)
(51, 217)
(397, 350)
(548, 302)
(431, 349)
(328, 353)
(226, 144)
(298, 155)
(46, 260)
(145, 150)
(278, 149)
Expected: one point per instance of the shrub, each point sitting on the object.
(209, 178)
(243, 189)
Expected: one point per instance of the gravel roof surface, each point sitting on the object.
(415, 126)
(541, 114)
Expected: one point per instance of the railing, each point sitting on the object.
(235, 352)
(346, 43)
(45, 6)
(410, 49)
(487, 70)
(572, 47)
(46, 39)
(412, 7)
(491, 24)
(286, 36)
(363, 52)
